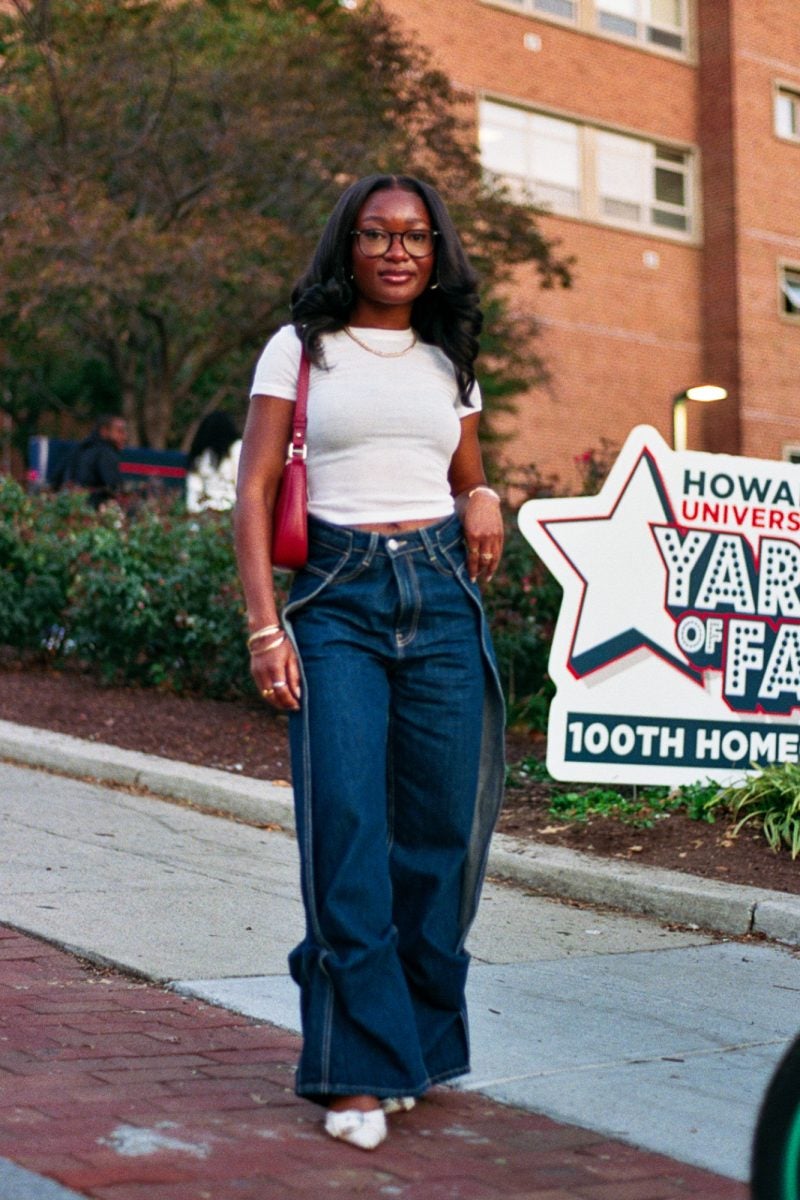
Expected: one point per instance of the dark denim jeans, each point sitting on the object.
(386, 764)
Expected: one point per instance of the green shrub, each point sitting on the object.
(770, 799)
(39, 544)
(156, 600)
(639, 807)
(522, 605)
(523, 599)
(152, 599)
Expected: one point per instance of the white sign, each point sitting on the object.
(676, 656)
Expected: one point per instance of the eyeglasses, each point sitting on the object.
(374, 243)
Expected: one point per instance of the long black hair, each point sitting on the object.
(216, 433)
(447, 315)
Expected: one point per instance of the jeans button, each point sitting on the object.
(392, 544)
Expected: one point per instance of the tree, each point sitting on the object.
(168, 169)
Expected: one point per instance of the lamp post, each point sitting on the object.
(705, 393)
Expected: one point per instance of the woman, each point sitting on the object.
(385, 665)
(213, 464)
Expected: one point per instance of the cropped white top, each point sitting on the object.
(381, 431)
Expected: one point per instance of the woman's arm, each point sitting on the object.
(480, 512)
(266, 436)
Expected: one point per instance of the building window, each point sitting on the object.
(787, 113)
(536, 155)
(566, 9)
(642, 183)
(656, 24)
(577, 170)
(790, 291)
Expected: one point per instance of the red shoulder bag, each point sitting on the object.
(290, 514)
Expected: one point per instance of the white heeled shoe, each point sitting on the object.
(397, 1104)
(363, 1129)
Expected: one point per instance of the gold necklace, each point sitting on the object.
(381, 353)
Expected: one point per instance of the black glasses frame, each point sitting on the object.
(410, 249)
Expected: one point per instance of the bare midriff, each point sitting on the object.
(397, 526)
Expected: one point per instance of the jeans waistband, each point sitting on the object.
(441, 535)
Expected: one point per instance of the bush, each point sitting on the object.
(154, 598)
(156, 601)
(638, 807)
(39, 544)
(771, 799)
(524, 598)
(522, 604)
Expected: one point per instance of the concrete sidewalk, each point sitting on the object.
(612, 1023)
(668, 895)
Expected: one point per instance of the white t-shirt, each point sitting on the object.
(381, 431)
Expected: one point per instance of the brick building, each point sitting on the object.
(663, 136)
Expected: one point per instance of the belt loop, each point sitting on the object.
(369, 554)
(428, 543)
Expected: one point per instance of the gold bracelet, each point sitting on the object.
(483, 487)
(265, 631)
(266, 649)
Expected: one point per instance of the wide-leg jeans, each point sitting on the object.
(385, 762)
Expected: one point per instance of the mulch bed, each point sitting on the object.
(246, 738)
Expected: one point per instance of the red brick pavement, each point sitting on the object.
(122, 1090)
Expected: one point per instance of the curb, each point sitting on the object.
(652, 891)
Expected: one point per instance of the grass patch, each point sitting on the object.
(638, 807)
(769, 799)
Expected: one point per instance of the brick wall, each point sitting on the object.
(628, 336)
(616, 344)
(767, 49)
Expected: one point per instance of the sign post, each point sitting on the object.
(676, 655)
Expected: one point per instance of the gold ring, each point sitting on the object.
(487, 557)
(268, 692)
(473, 549)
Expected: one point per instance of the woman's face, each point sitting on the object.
(390, 284)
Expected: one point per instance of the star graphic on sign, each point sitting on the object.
(617, 561)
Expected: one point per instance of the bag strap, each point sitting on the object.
(297, 446)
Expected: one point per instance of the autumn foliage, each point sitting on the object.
(167, 169)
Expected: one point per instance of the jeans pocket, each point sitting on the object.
(334, 566)
(356, 566)
(440, 563)
(324, 562)
(455, 558)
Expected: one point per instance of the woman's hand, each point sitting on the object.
(477, 505)
(277, 674)
(483, 533)
(273, 663)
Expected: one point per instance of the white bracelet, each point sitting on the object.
(271, 646)
(483, 487)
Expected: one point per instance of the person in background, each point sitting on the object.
(213, 464)
(94, 464)
(382, 657)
